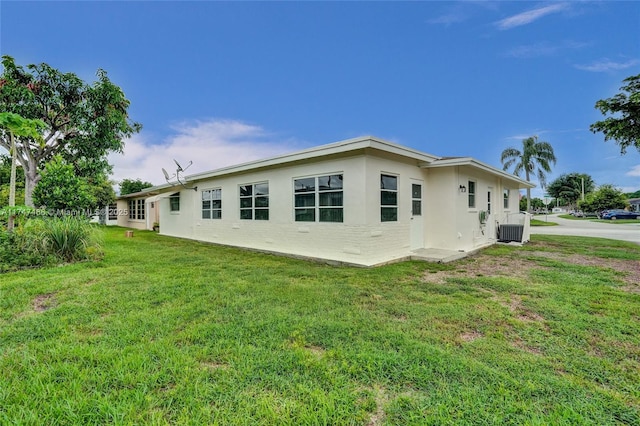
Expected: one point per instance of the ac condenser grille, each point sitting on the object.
(510, 233)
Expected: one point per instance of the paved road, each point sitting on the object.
(587, 228)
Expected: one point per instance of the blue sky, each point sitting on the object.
(220, 83)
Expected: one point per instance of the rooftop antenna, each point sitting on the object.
(166, 175)
(179, 170)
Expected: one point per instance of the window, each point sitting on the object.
(254, 201)
(136, 209)
(319, 198)
(472, 194)
(113, 211)
(174, 202)
(416, 199)
(388, 198)
(140, 212)
(212, 204)
(505, 195)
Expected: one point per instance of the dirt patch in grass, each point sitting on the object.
(316, 351)
(519, 264)
(470, 336)
(208, 365)
(629, 270)
(516, 307)
(379, 416)
(483, 265)
(43, 302)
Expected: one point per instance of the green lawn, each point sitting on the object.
(169, 331)
(595, 219)
(542, 222)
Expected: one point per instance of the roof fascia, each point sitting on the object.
(472, 162)
(342, 147)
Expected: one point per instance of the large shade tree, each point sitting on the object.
(84, 121)
(535, 158)
(623, 124)
(129, 186)
(571, 187)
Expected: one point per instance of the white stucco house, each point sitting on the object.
(363, 201)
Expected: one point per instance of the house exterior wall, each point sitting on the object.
(123, 216)
(451, 223)
(359, 239)
(362, 238)
(444, 222)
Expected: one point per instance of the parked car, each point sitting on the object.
(577, 213)
(620, 214)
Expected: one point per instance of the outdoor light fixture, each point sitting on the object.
(463, 188)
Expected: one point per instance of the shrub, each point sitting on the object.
(70, 239)
(22, 248)
(44, 241)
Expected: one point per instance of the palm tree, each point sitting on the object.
(535, 157)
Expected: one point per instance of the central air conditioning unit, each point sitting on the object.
(510, 233)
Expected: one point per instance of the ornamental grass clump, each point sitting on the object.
(70, 239)
(38, 242)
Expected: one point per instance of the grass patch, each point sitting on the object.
(540, 222)
(595, 219)
(169, 331)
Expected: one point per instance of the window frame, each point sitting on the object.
(416, 202)
(385, 206)
(319, 204)
(506, 195)
(472, 192)
(253, 208)
(174, 203)
(137, 209)
(215, 209)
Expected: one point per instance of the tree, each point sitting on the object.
(535, 157)
(536, 204)
(624, 124)
(17, 126)
(84, 121)
(129, 186)
(102, 191)
(5, 182)
(633, 194)
(606, 197)
(569, 188)
(60, 189)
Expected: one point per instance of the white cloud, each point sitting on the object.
(627, 189)
(543, 49)
(605, 65)
(209, 144)
(530, 16)
(448, 19)
(635, 171)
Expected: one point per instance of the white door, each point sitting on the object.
(491, 224)
(417, 221)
